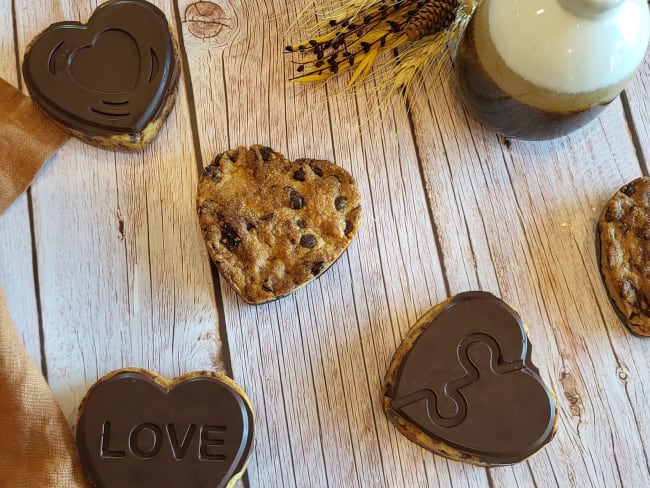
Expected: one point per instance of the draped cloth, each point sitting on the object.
(36, 445)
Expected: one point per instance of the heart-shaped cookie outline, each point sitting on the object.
(85, 55)
(89, 432)
(514, 363)
(224, 223)
(637, 324)
(46, 70)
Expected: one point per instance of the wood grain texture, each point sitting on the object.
(637, 104)
(16, 267)
(523, 215)
(122, 277)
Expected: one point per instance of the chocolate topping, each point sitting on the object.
(468, 381)
(134, 432)
(110, 76)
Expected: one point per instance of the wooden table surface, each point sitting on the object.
(104, 265)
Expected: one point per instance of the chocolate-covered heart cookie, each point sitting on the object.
(272, 225)
(462, 384)
(112, 81)
(138, 430)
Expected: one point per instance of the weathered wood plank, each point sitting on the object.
(16, 269)
(637, 102)
(518, 219)
(124, 279)
(632, 352)
(410, 271)
(314, 362)
(123, 274)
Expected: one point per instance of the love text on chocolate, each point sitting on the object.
(146, 439)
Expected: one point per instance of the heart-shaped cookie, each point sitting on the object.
(271, 225)
(462, 384)
(136, 430)
(622, 242)
(110, 81)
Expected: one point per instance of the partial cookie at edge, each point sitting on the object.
(624, 249)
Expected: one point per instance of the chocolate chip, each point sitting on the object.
(317, 170)
(297, 201)
(348, 227)
(299, 175)
(301, 223)
(317, 268)
(217, 158)
(267, 216)
(229, 237)
(212, 172)
(614, 213)
(340, 203)
(233, 154)
(628, 190)
(250, 226)
(308, 241)
(266, 153)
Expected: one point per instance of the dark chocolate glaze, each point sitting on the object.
(469, 382)
(110, 76)
(133, 432)
(501, 112)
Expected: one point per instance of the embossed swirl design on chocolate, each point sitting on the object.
(110, 76)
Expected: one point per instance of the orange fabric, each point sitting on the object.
(27, 139)
(36, 446)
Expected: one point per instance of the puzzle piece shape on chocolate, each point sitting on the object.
(463, 385)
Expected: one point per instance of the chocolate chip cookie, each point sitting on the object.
(624, 231)
(270, 224)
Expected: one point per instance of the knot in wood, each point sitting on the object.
(205, 20)
(434, 16)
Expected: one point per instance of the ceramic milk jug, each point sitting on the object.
(539, 69)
